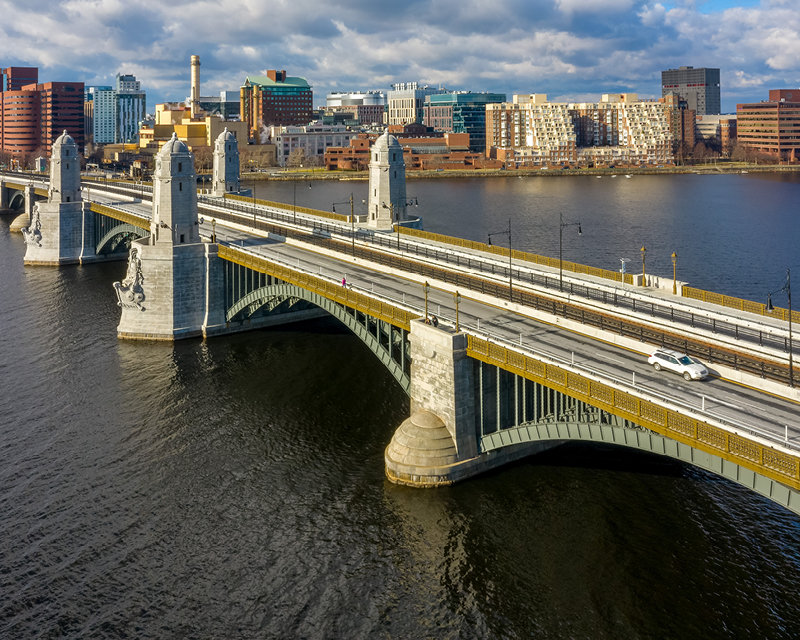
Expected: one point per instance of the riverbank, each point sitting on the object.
(706, 169)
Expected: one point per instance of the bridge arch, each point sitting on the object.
(17, 201)
(124, 232)
(383, 339)
(634, 437)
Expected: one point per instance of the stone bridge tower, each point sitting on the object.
(61, 230)
(387, 183)
(173, 288)
(226, 165)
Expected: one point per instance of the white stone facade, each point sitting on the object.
(387, 183)
(226, 165)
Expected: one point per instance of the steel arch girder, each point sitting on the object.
(648, 441)
(118, 230)
(261, 296)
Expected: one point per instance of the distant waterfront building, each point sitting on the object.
(681, 122)
(461, 112)
(699, 87)
(620, 129)
(716, 131)
(406, 102)
(312, 140)
(772, 126)
(364, 108)
(33, 115)
(130, 108)
(275, 99)
(90, 98)
(226, 105)
(115, 112)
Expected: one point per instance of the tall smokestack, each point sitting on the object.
(195, 86)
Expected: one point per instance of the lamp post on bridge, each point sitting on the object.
(352, 222)
(457, 299)
(506, 233)
(787, 287)
(561, 226)
(409, 201)
(643, 251)
(426, 288)
(294, 201)
(674, 257)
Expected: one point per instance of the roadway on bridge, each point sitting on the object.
(723, 400)
(739, 406)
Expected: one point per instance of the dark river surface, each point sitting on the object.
(235, 488)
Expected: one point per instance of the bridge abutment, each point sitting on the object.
(440, 443)
(23, 220)
(61, 230)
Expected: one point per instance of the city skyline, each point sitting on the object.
(573, 50)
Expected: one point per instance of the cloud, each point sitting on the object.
(559, 47)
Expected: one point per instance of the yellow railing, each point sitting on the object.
(123, 216)
(523, 256)
(777, 465)
(740, 305)
(283, 205)
(331, 291)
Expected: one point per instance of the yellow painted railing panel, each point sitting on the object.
(332, 291)
(739, 304)
(123, 216)
(776, 465)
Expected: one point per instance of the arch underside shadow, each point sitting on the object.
(635, 437)
(16, 201)
(119, 238)
(387, 342)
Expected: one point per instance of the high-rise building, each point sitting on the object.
(681, 122)
(18, 77)
(90, 98)
(275, 99)
(461, 112)
(406, 102)
(129, 109)
(33, 115)
(699, 87)
(116, 111)
(772, 126)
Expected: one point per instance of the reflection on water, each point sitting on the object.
(235, 487)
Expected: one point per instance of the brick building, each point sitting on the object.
(275, 99)
(772, 126)
(681, 120)
(33, 115)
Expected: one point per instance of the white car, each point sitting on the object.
(678, 362)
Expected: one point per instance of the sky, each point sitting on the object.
(572, 50)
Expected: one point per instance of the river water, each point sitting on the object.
(235, 489)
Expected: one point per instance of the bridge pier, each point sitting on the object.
(440, 443)
(174, 285)
(23, 220)
(61, 230)
(4, 200)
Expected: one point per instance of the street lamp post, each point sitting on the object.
(352, 222)
(643, 251)
(506, 233)
(674, 257)
(561, 226)
(294, 201)
(457, 298)
(787, 287)
(426, 288)
(409, 201)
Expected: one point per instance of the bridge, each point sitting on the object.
(521, 360)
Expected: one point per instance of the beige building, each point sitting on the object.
(620, 129)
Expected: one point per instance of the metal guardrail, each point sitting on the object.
(777, 465)
(739, 304)
(637, 330)
(671, 422)
(281, 205)
(522, 256)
